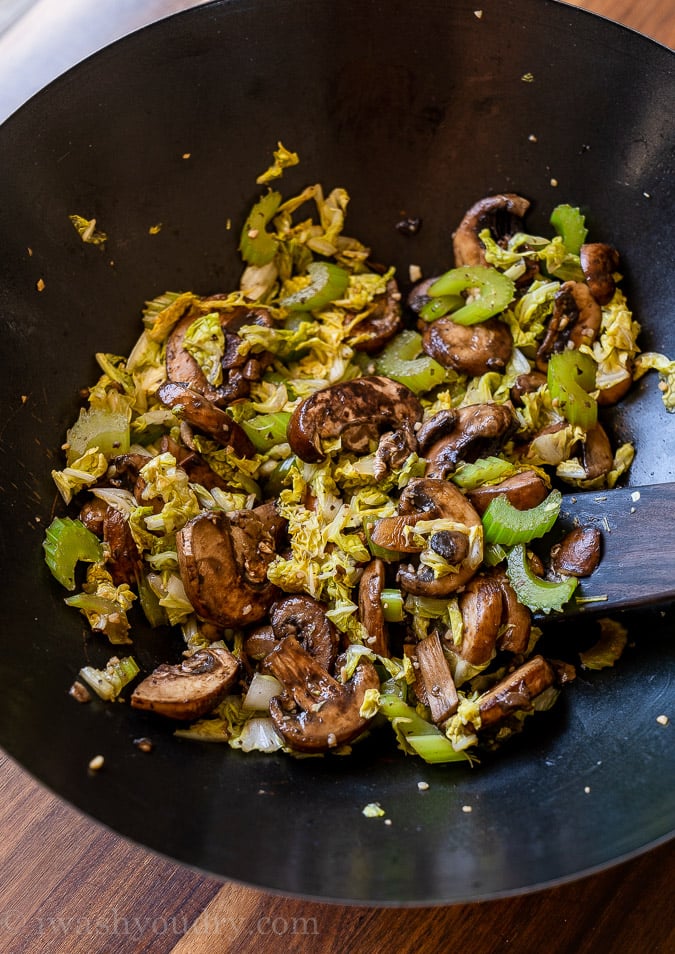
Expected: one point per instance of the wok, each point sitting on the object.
(418, 110)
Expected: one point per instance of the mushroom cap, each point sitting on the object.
(373, 332)
(316, 712)
(599, 262)
(502, 214)
(576, 319)
(469, 349)
(437, 499)
(578, 553)
(523, 490)
(465, 434)
(358, 411)
(371, 612)
(223, 560)
(190, 689)
(198, 411)
(305, 618)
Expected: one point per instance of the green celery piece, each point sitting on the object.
(67, 542)
(392, 605)
(570, 225)
(256, 245)
(504, 524)
(328, 283)
(495, 292)
(266, 430)
(98, 427)
(403, 361)
(482, 471)
(416, 733)
(570, 376)
(533, 592)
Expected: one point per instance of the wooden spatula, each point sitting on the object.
(638, 547)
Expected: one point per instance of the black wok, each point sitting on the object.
(417, 109)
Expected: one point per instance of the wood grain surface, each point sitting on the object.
(68, 885)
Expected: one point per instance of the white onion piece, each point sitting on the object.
(262, 689)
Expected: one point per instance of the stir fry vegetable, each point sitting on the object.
(333, 490)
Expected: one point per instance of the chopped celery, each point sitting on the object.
(328, 283)
(101, 428)
(67, 542)
(506, 525)
(257, 245)
(533, 592)
(495, 292)
(108, 683)
(416, 735)
(569, 223)
(266, 430)
(483, 471)
(392, 605)
(402, 360)
(571, 375)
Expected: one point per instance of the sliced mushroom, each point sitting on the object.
(439, 686)
(190, 689)
(371, 612)
(305, 618)
(609, 394)
(527, 384)
(260, 643)
(464, 434)
(182, 368)
(516, 621)
(516, 691)
(223, 560)
(205, 416)
(578, 553)
(123, 561)
(502, 214)
(372, 333)
(435, 499)
(599, 262)
(469, 349)
(92, 515)
(194, 465)
(481, 606)
(575, 320)
(124, 472)
(316, 712)
(523, 491)
(357, 411)
(597, 457)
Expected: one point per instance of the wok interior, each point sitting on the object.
(417, 110)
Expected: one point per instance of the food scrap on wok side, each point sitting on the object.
(335, 489)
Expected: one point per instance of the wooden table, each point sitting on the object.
(71, 886)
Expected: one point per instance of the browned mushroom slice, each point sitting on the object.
(439, 686)
(205, 416)
(469, 349)
(260, 643)
(371, 612)
(611, 393)
(599, 262)
(502, 214)
(316, 712)
(464, 434)
(516, 691)
(578, 553)
(527, 384)
(124, 472)
(190, 689)
(373, 332)
(516, 621)
(357, 411)
(92, 515)
(597, 457)
(182, 368)
(194, 465)
(481, 606)
(439, 499)
(305, 618)
(223, 561)
(124, 561)
(575, 321)
(523, 491)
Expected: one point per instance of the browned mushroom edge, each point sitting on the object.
(359, 412)
(315, 712)
(190, 689)
(502, 214)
